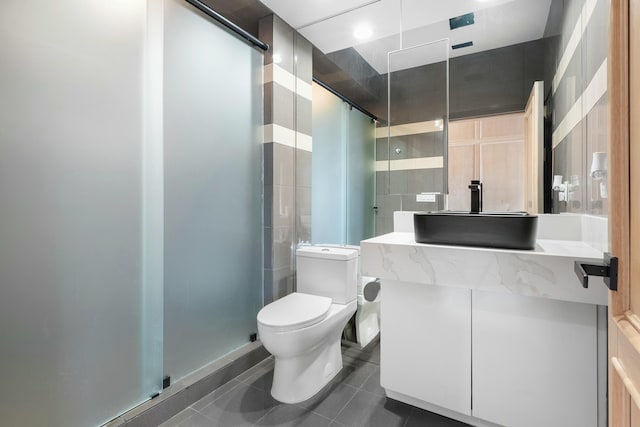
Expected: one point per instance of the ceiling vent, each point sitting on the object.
(461, 45)
(461, 21)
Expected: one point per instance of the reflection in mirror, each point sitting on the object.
(343, 176)
(495, 61)
(417, 124)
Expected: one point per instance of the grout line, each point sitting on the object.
(217, 398)
(267, 413)
(204, 415)
(345, 405)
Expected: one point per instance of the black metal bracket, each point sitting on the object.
(608, 270)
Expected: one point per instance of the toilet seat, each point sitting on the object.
(294, 311)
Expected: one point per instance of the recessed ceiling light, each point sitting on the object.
(362, 32)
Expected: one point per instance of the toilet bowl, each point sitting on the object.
(303, 330)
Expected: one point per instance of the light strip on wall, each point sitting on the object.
(275, 73)
(410, 129)
(410, 164)
(574, 41)
(583, 105)
(285, 136)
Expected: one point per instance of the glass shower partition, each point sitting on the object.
(343, 171)
(361, 177)
(418, 115)
(79, 306)
(213, 190)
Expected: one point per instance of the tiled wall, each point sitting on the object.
(410, 162)
(287, 143)
(580, 103)
(492, 82)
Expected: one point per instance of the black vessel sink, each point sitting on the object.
(509, 230)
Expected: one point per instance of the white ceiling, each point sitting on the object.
(329, 25)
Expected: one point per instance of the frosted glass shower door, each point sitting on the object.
(361, 178)
(74, 334)
(329, 168)
(213, 190)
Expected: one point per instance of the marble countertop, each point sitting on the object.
(545, 272)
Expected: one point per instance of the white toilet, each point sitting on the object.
(302, 330)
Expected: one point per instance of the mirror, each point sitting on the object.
(498, 51)
(487, 81)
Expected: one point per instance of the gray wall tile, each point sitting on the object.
(595, 44)
(282, 242)
(382, 148)
(268, 286)
(303, 203)
(283, 206)
(268, 103)
(283, 282)
(425, 180)
(303, 115)
(268, 248)
(283, 165)
(303, 168)
(283, 106)
(398, 183)
(283, 43)
(268, 164)
(268, 206)
(382, 182)
(304, 64)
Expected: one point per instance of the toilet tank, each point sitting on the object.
(328, 272)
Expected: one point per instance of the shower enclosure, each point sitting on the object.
(343, 171)
(131, 199)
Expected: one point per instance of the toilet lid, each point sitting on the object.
(294, 311)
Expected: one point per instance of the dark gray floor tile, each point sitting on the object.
(371, 353)
(162, 411)
(372, 384)
(370, 410)
(261, 376)
(197, 420)
(188, 418)
(241, 406)
(292, 416)
(421, 418)
(216, 394)
(258, 367)
(355, 372)
(212, 382)
(180, 417)
(329, 401)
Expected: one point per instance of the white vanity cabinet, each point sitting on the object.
(534, 361)
(491, 337)
(426, 343)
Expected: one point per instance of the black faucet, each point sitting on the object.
(476, 196)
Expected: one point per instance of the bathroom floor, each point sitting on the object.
(353, 398)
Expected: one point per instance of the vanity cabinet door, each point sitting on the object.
(426, 344)
(534, 361)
